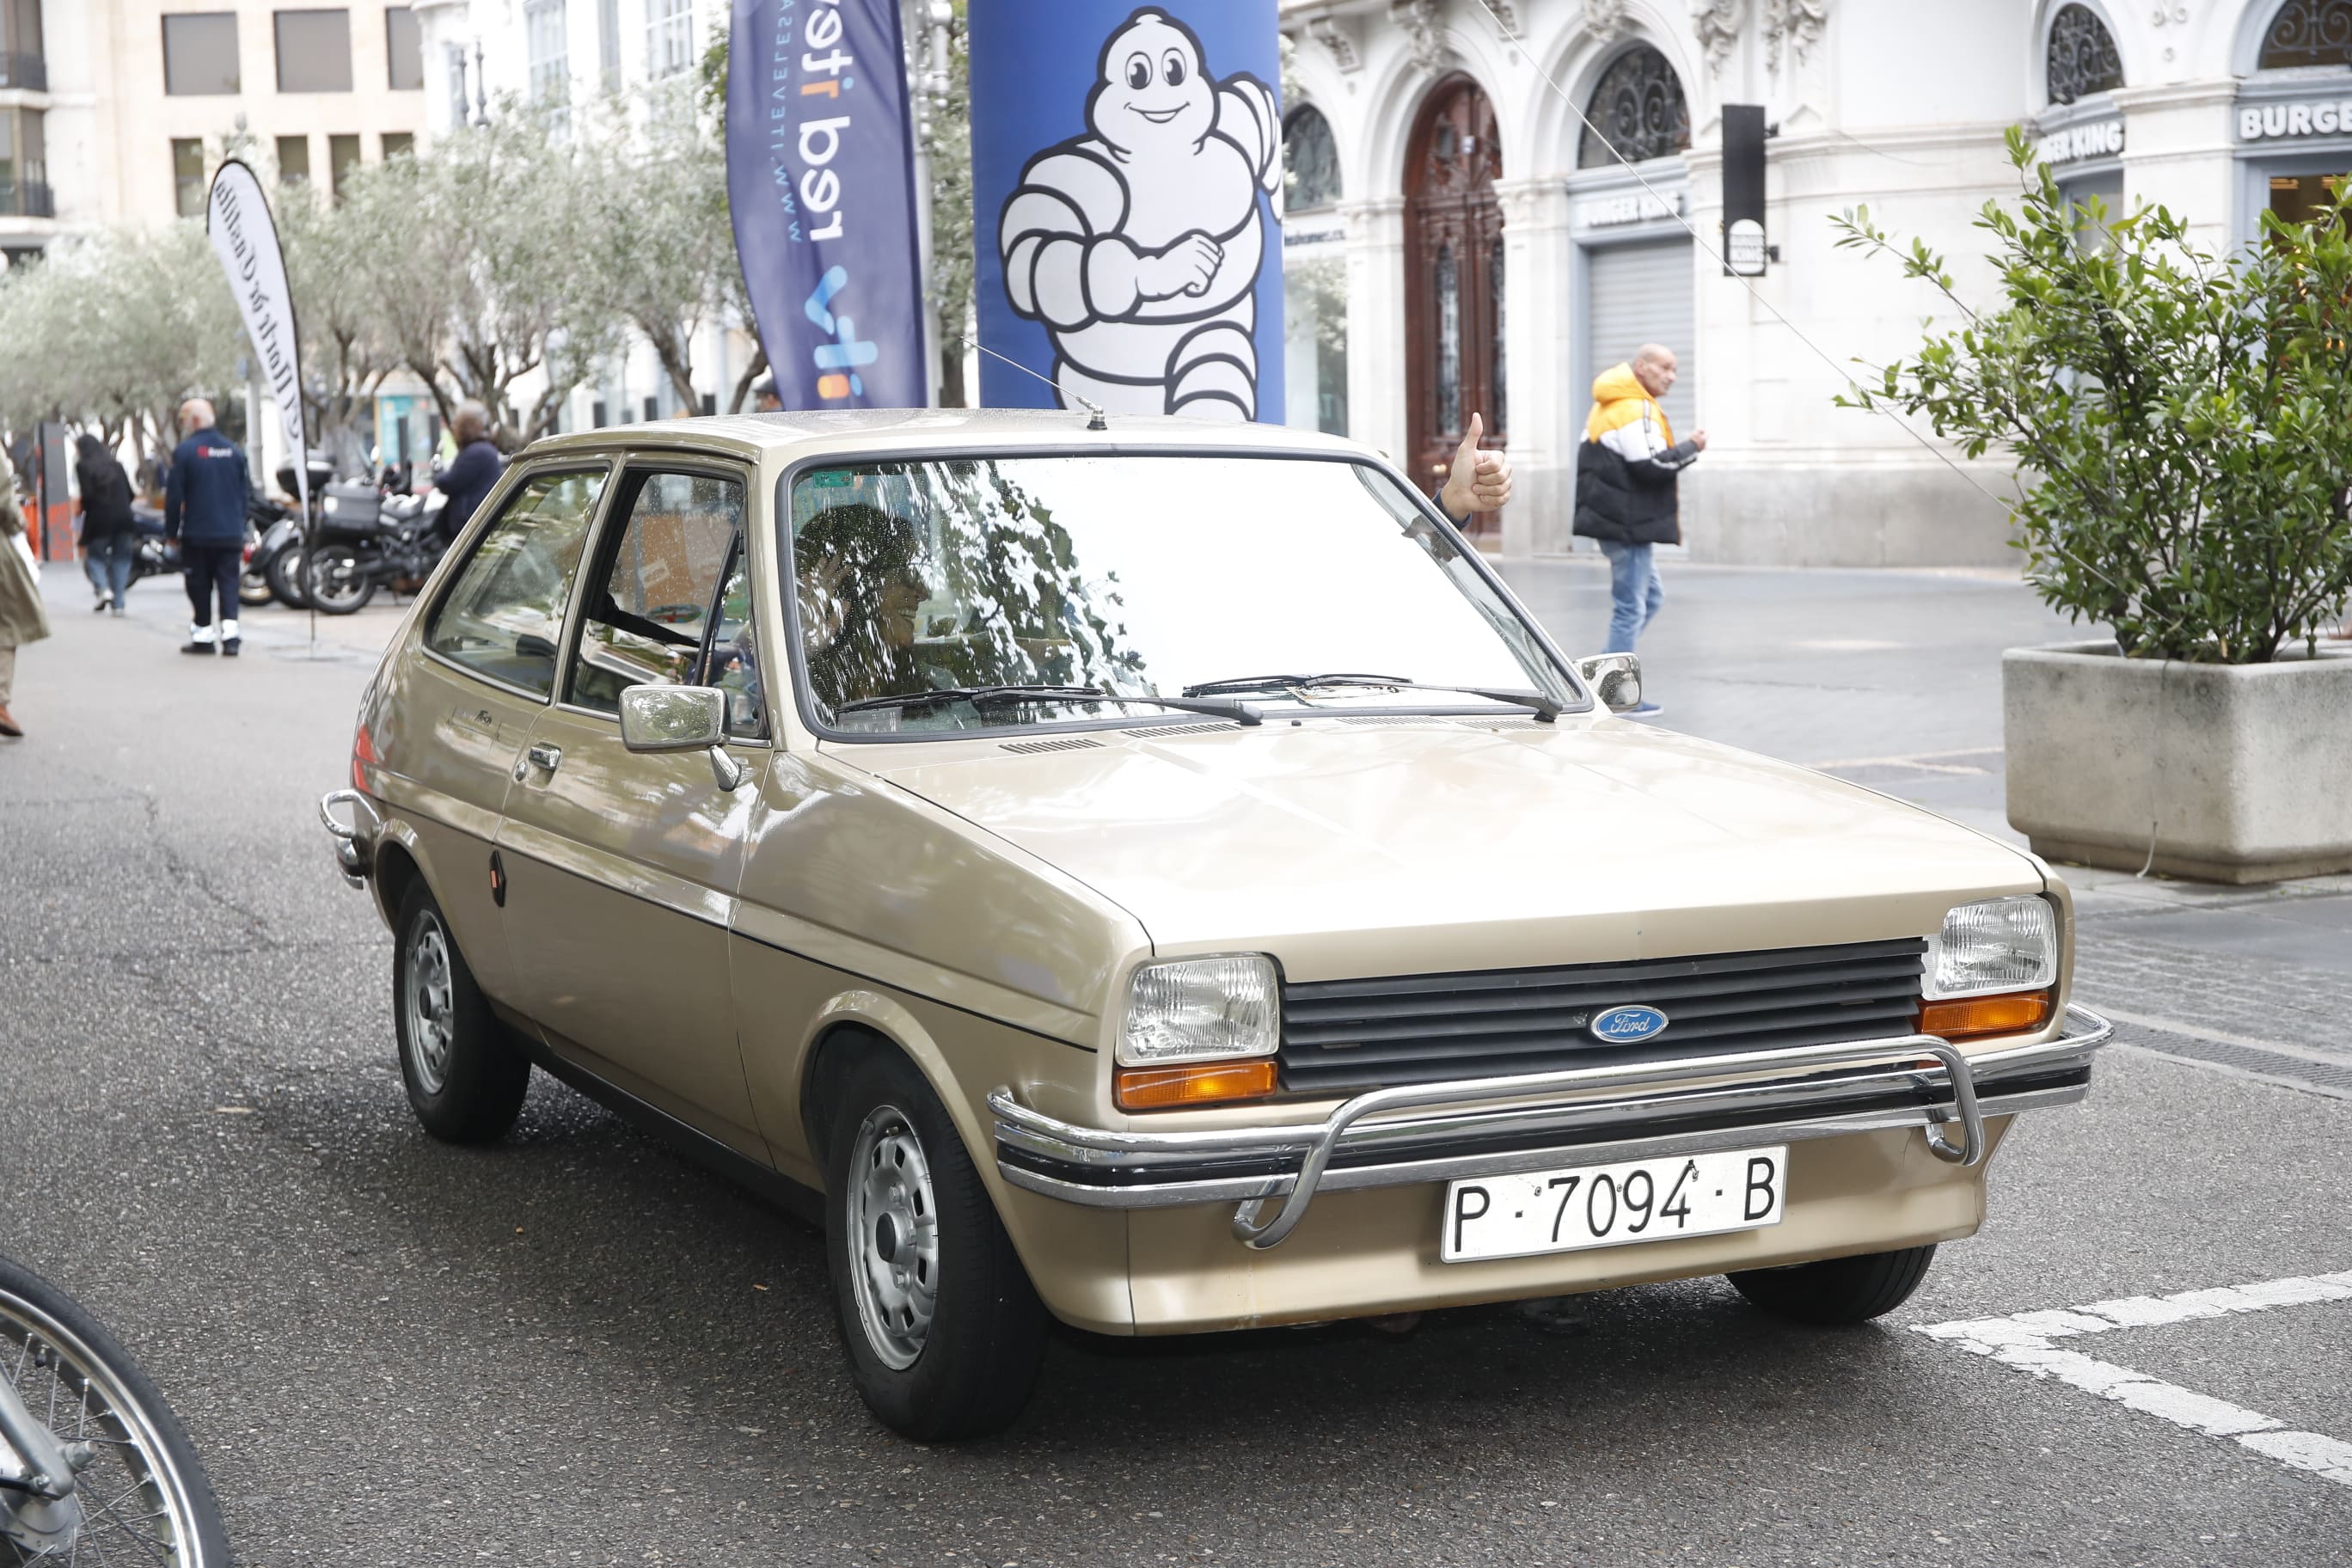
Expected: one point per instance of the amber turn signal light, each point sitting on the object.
(1973, 1017)
(1159, 1088)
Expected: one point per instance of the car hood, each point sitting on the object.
(1415, 846)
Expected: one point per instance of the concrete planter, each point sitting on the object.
(2242, 774)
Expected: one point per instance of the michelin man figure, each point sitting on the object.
(1137, 245)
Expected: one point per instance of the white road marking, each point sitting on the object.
(2026, 1341)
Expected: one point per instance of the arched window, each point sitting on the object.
(2082, 59)
(2308, 33)
(1638, 110)
(1310, 165)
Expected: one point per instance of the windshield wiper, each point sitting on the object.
(1239, 713)
(1547, 708)
(972, 694)
(1269, 682)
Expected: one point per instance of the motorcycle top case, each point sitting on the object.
(351, 509)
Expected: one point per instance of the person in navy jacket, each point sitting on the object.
(472, 474)
(204, 508)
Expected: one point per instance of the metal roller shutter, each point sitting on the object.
(1642, 294)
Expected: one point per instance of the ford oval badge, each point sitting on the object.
(1627, 1026)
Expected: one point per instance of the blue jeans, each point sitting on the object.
(107, 563)
(1634, 592)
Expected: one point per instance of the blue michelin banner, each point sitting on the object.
(1126, 178)
(820, 175)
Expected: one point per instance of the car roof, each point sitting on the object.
(867, 431)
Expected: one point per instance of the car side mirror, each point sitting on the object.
(672, 718)
(1615, 679)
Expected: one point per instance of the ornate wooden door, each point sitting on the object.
(1453, 282)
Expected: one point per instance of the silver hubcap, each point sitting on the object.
(894, 1236)
(424, 996)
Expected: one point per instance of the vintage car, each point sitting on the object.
(1157, 877)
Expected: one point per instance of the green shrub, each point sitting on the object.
(2182, 422)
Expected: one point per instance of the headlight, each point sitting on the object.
(1199, 1009)
(2001, 944)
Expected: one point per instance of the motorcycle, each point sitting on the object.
(367, 540)
(261, 516)
(153, 555)
(90, 1456)
(277, 556)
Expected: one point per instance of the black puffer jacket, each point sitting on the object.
(1627, 467)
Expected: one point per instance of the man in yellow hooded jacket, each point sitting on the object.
(1626, 473)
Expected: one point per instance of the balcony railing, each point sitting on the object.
(26, 198)
(29, 72)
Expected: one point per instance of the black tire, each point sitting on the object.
(466, 1077)
(149, 1449)
(334, 582)
(976, 1359)
(282, 571)
(1838, 1290)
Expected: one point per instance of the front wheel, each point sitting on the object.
(253, 587)
(140, 1495)
(465, 1079)
(1838, 1290)
(943, 1330)
(335, 582)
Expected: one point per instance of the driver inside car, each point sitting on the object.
(861, 598)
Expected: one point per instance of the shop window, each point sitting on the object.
(314, 51)
(293, 160)
(1315, 347)
(2308, 33)
(2301, 198)
(1637, 111)
(200, 53)
(188, 176)
(1311, 163)
(2081, 58)
(403, 50)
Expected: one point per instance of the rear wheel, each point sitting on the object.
(335, 582)
(283, 574)
(1837, 1290)
(466, 1078)
(943, 1330)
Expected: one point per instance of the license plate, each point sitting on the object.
(1611, 1205)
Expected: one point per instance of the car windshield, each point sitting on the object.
(1284, 584)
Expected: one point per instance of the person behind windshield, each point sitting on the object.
(861, 595)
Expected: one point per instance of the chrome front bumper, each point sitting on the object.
(1385, 1139)
(355, 839)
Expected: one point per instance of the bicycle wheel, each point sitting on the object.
(144, 1497)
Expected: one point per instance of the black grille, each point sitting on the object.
(1350, 1034)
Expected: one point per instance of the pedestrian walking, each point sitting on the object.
(22, 619)
(204, 508)
(1626, 476)
(109, 538)
(472, 474)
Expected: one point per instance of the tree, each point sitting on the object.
(2180, 418)
(479, 256)
(945, 130)
(346, 354)
(664, 259)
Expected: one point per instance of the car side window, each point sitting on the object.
(503, 618)
(649, 606)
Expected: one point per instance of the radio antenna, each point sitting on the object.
(1095, 421)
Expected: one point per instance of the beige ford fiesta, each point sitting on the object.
(1158, 877)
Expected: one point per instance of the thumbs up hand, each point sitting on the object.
(1480, 481)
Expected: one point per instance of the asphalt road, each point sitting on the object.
(576, 1348)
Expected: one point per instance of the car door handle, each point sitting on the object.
(545, 758)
